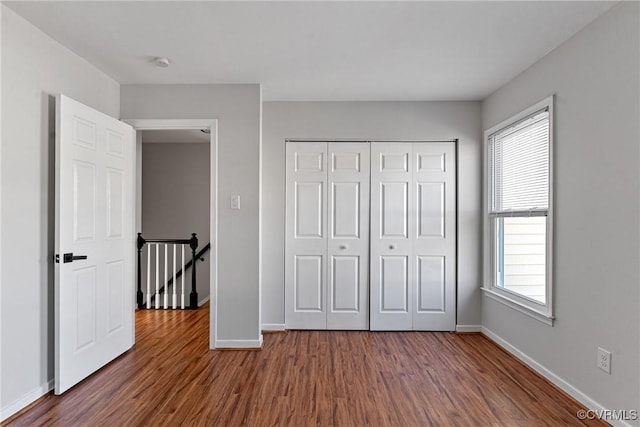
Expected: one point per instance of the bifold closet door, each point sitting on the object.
(327, 231)
(413, 236)
(348, 240)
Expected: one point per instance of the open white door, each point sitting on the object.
(94, 241)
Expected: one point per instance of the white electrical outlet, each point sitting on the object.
(604, 360)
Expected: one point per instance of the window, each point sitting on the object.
(518, 219)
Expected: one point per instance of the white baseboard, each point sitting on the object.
(239, 344)
(202, 301)
(26, 400)
(555, 379)
(273, 327)
(468, 328)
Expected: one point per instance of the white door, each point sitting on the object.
(413, 235)
(391, 232)
(327, 235)
(348, 237)
(434, 240)
(306, 236)
(94, 241)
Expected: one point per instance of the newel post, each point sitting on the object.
(193, 296)
(139, 296)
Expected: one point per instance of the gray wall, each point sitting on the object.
(371, 120)
(175, 198)
(35, 68)
(596, 250)
(237, 108)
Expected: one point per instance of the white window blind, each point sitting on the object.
(519, 165)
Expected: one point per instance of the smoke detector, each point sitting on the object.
(162, 62)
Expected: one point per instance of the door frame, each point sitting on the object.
(178, 124)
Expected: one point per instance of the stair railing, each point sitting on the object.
(158, 297)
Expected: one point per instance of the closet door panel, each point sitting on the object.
(391, 230)
(306, 236)
(434, 240)
(348, 237)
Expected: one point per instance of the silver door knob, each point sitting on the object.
(392, 246)
(343, 246)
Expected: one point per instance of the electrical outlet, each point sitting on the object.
(604, 360)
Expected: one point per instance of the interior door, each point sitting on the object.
(391, 232)
(413, 235)
(434, 242)
(94, 241)
(306, 235)
(348, 237)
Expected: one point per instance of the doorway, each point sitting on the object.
(160, 132)
(175, 205)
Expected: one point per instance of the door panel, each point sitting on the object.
(431, 209)
(345, 218)
(83, 203)
(431, 284)
(391, 202)
(94, 217)
(348, 241)
(308, 283)
(84, 307)
(115, 297)
(344, 285)
(306, 236)
(394, 207)
(434, 244)
(394, 284)
(308, 209)
(115, 203)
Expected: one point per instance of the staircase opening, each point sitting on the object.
(175, 219)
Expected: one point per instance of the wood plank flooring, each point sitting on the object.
(303, 379)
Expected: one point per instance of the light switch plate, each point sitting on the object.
(235, 202)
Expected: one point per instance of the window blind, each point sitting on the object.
(519, 165)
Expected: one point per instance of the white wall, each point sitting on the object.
(34, 69)
(175, 200)
(237, 108)
(371, 120)
(595, 77)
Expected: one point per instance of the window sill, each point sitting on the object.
(518, 306)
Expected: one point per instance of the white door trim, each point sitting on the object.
(176, 124)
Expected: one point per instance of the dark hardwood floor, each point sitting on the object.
(306, 379)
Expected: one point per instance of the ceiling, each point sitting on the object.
(175, 136)
(303, 50)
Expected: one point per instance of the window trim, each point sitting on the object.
(534, 309)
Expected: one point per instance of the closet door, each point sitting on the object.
(413, 237)
(434, 241)
(348, 237)
(327, 241)
(306, 236)
(391, 232)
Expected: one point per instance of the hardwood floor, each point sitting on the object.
(307, 379)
